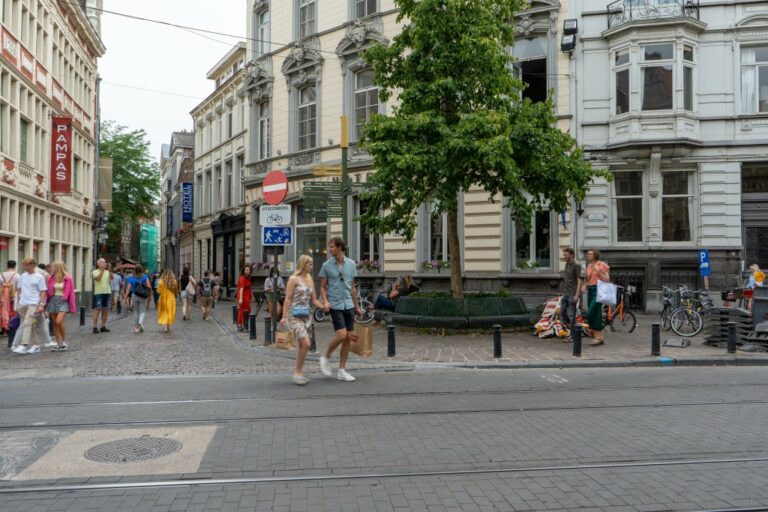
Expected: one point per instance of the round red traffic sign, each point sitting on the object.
(275, 187)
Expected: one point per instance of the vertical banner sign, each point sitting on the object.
(104, 193)
(187, 203)
(169, 221)
(61, 155)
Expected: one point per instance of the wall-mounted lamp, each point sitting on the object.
(570, 29)
(570, 26)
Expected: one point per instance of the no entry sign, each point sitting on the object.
(275, 187)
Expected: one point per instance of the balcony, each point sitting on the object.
(627, 11)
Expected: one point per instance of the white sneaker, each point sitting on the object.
(34, 349)
(344, 376)
(325, 369)
(51, 344)
(300, 380)
(19, 349)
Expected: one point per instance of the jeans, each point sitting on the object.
(139, 309)
(568, 311)
(384, 302)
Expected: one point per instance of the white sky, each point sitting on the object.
(152, 56)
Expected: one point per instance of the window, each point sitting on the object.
(531, 67)
(628, 206)
(676, 206)
(365, 8)
(754, 178)
(532, 248)
(657, 76)
(754, 79)
(366, 99)
(369, 243)
(198, 195)
(262, 33)
(687, 77)
(621, 72)
(229, 185)
(76, 173)
(229, 125)
(306, 18)
(438, 236)
(240, 170)
(307, 118)
(264, 142)
(23, 134)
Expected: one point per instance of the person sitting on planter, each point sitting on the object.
(403, 287)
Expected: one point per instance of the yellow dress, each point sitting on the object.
(166, 307)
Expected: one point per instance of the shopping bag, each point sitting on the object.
(284, 340)
(606, 293)
(361, 341)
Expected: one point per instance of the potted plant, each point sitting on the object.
(368, 266)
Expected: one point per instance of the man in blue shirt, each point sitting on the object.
(339, 295)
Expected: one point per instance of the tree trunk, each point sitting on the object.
(454, 251)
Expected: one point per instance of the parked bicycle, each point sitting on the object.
(619, 317)
(685, 320)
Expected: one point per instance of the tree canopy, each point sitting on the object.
(135, 176)
(460, 123)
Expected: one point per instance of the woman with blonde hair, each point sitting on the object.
(168, 290)
(61, 289)
(297, 315)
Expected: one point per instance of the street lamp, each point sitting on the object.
(99, 213)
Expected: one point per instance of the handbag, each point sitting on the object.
(300, 311)
(190, 289)
(606, 293)
(362, 341)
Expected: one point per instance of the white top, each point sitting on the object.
(10, 277)
(31, 285)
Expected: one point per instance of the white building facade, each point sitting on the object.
(176, 163)
(673, 100)
(221, 239)
(48, 67)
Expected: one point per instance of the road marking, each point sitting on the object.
(555, 379)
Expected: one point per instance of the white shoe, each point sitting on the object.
(300, 380)
(51, 344)
(344, 376)
(325, 369)
(34, 349)
(19, 349)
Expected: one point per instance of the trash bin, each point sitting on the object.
(760, 305)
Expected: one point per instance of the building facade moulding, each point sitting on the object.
(259, 80)
(359, 35)
(303, 64)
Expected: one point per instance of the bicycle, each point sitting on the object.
(319, 315)
(621, 319)
(686, 320)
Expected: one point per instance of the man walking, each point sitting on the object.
(102, 296)
(339, 296)
(206, 286)
(572, 287)
(31, 294)
(117, 287)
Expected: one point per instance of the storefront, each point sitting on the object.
(754, 213)
(228, 249)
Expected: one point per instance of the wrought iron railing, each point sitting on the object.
(625, 11)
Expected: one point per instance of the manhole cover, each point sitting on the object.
(132, 450)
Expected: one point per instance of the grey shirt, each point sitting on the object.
(571, 276)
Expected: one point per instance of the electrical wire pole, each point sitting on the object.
(344, 178)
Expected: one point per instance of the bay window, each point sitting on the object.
(621, 73)
(628, 206)
(657, 75)
(754, 79)
(687, 77)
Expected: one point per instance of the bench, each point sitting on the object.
(471, 312)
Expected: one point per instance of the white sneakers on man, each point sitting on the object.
(325, 368)
(19, 349)
(51, 344)
(344, 376)
(34, 349)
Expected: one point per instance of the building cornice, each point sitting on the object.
(84, 26)
(231, 86)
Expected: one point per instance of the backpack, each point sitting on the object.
(206, 287)
(9, 284)
(141, 290)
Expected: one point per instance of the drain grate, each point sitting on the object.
(132, 450)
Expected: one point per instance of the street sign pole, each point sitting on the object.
(344, 177)
(274, 296)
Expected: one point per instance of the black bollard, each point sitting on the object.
(234, 314)
(312, 341)
(496, 341)
(655, 339)
(82, 315)
(50, 326)
(731, 337)
(252, 326)
(119, 307)
(267, 330)
(11, 335)
(576, 335)
(391, 341)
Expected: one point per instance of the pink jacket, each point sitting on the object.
(69, 291)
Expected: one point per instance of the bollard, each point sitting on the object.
(312, 341)
(576, 335)
(119, 307)
(655, 339)
(731, 337)
(234, 314)
(391, 341)
(267, 330)
(50, 326)
(252, 326)
(82, 315)
(496, 341)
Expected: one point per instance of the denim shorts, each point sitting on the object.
(343, 319)
(102, 300)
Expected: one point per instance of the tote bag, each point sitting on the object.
(606, 293)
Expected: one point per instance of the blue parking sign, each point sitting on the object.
(704, 268)
(276, 235)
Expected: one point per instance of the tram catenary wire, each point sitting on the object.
(442, 412)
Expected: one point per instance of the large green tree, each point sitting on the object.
(460, 122)
(135, 176)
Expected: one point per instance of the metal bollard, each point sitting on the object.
(119, 307)
(252, 326)
(82, 315)
(496, 341)
(656, 339)
(234, 314)
(267, 330)
(731, 337)
(391, 341)
(576, 335)
(312, 341)
(50, 326)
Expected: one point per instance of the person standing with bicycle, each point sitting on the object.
(596, 271)
(572, 286)
(337, 289)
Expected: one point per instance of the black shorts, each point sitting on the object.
(343, 319)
